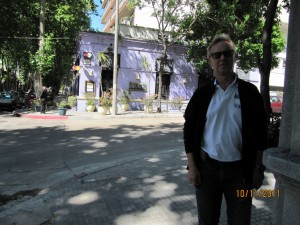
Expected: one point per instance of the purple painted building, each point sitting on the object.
(179, 80)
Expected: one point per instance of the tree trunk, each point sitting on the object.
(38, 80)
(161, 71)
(160, 74)
(265, 65)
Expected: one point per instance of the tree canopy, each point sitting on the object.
(243, 21)
(21, 58)
(253, 25)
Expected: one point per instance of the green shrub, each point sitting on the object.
(124, 99)
(105, 100)
(90, 99)
(72, 101)
(63, 104)
(176, 103)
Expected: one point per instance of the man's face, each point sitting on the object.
(222, 58)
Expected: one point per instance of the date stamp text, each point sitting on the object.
(261, 193)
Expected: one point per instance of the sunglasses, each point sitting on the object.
(226, 54)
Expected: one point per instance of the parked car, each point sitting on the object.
(9, 100)
(276, 103)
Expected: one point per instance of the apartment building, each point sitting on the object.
(136, 17)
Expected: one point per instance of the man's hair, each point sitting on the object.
(217, 39)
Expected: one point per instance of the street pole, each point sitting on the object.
(115, 73)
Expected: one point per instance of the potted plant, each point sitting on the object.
(124, 100)
(37, 105)
(62, 107)
(72, 101)
(90, 102)
(176, 103)
(148, 103)
(105, 102)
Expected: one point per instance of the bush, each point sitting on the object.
(90, 99)
(105, 100)
(63, 104)
(176, 103)
(124, 99)
(72, 101)
(148, 100)
(37, 102)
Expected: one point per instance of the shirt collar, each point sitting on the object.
(216, 83)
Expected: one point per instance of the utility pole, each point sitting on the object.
(115, 73)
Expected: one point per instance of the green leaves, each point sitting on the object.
(242, 20)
(19, 37)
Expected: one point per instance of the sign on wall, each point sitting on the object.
(87, 58)
(133, 86)
(89, 86)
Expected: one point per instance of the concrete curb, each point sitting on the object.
(44, 117)
(75, 115)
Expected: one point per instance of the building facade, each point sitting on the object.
(129, 16)
(180, 78)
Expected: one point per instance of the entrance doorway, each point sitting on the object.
(165, 89)
(166, 77)
(106, 80)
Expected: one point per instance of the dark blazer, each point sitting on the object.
(44, 95)
(254, 123)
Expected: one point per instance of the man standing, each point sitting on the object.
(225, 133)
(44, 97)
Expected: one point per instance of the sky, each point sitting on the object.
(96, 19)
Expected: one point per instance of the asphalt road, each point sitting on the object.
(36, 154)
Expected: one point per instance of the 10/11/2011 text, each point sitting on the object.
(261, 193)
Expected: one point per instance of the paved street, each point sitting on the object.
(109, 170)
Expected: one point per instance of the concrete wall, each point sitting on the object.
(284, 161)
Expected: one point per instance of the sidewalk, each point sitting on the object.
(152, 190)
(73, 114)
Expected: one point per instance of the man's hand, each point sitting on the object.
(194, 176)
(193, 171)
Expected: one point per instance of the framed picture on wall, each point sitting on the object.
(89, 86)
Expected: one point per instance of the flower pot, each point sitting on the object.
(62, 111)
(90, 108)
(102, 110)
(37, 108)
(148, 109)
(125, 107)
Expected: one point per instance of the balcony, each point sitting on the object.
(104, 2)
(108, 17)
